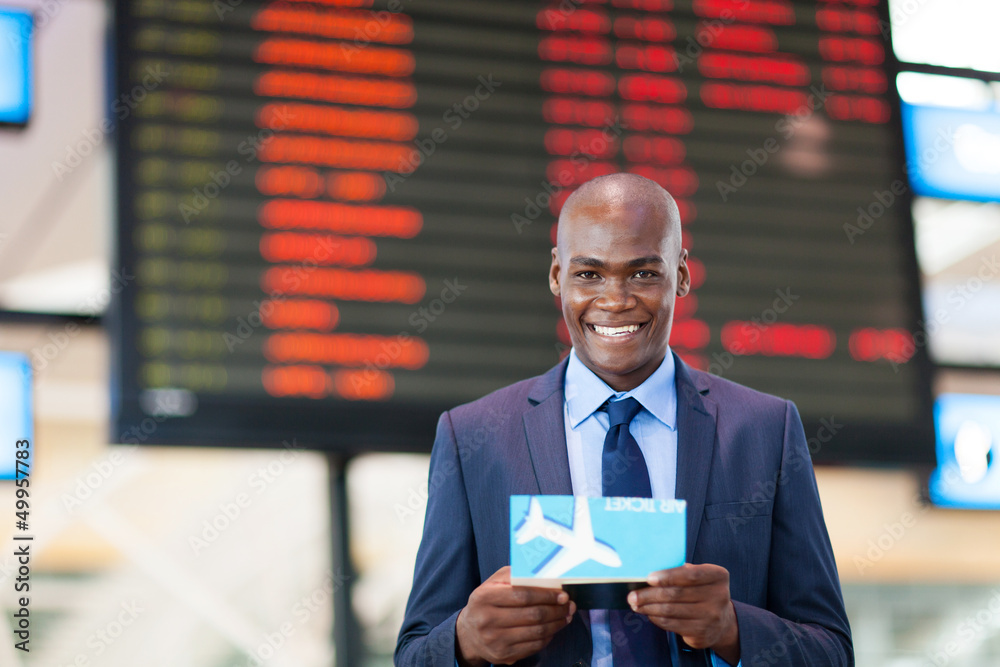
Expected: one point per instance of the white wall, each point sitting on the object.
(55, 224)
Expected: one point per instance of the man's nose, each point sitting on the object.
(617, 296)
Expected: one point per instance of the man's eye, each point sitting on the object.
(645, 274)
(587, 275)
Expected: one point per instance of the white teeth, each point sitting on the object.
(616, 331)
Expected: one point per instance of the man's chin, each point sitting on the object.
(610, 365)
(618, 366)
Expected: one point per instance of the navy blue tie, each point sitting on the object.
(623, 469)
(635, 642)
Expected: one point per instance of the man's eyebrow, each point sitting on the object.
(644, 261)
(632, 263)
(588, 261)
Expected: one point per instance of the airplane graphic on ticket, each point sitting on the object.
(578, 543)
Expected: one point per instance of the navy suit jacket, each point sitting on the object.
(743, 467)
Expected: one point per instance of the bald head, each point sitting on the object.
(595, 198)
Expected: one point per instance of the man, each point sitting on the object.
(760, 586)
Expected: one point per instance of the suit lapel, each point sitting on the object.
(696, 420)
(545, 433)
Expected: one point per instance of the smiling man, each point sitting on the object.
(760, 586)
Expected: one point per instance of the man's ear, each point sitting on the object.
(683, 275)
(554, 273)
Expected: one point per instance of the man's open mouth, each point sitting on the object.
(623, 330)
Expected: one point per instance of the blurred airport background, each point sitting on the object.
(881, 201)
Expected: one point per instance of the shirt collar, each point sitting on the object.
(585, 392)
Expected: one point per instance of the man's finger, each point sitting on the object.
(501, 576)
(521, 642)
(534, 632)
(671, 594)
(689, 575)
(515, 617)
(525, 596)
(675, 611)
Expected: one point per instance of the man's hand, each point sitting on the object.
(502, 623)
(693, 602)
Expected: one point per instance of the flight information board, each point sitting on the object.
(336, 217)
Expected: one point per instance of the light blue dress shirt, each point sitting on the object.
(654, 429)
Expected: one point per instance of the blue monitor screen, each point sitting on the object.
(953, 153)
(15, 66)
(968, 435)
(15, 412)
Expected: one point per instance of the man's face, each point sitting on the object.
(617, 270)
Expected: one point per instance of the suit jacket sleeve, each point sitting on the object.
(446, 570)
(805, 622)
